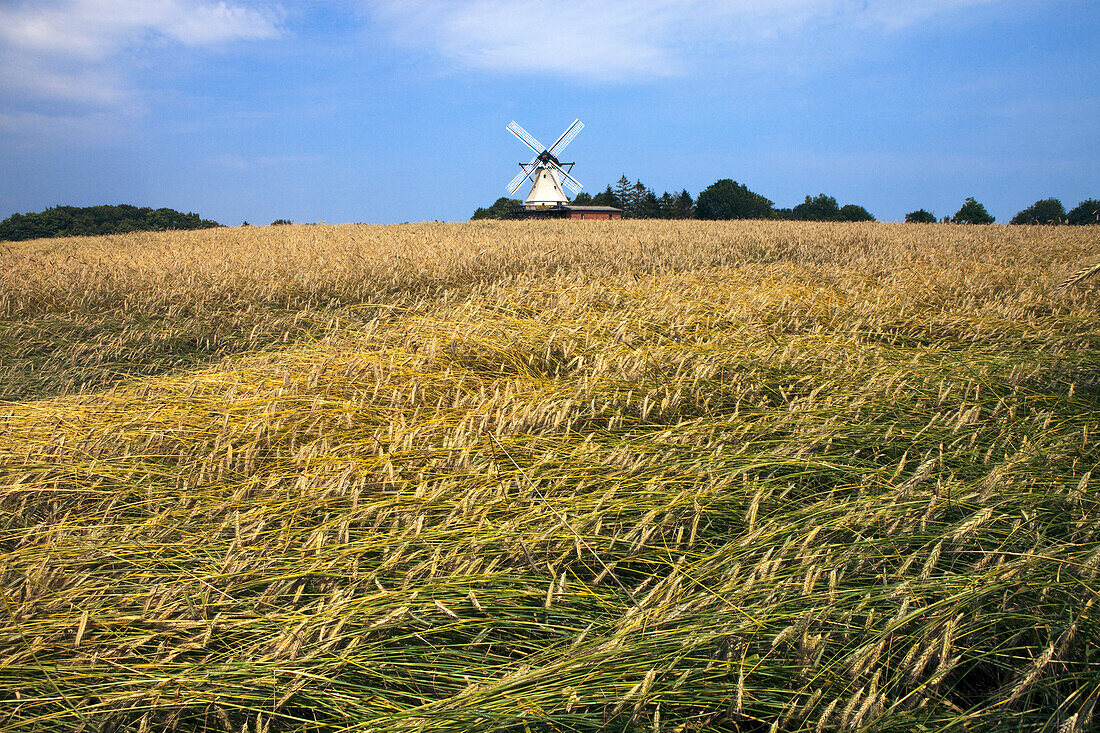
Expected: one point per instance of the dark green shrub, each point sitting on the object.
(1046, 211)
(1086, 212)
(852, 212)
(817, 208)
(972, 212)
(502, 208)
(727, 199)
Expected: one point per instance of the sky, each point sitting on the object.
(385, 111)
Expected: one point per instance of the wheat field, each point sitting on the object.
(551, 476)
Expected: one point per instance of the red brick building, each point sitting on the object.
(594, 212)
(567, 211)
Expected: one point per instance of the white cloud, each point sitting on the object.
(237, 162)
(48, 131)
(75, 50)
(627, 39)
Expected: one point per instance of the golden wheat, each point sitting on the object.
(653, 475)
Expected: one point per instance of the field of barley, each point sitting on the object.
(551, 476)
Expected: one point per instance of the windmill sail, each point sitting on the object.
(526, 137)
(523, 175)
(566, 137)
(567, 180)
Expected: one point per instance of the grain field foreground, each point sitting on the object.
(551, 476)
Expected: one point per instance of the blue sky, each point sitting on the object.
(388, 111)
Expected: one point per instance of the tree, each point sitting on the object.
(972, 212)
(728, 199)
(607, 197)
(648, 206)
(502, 208)
(624, 192)
(281, 222)
(852, 212)
(582, 199)
(666, 206)
(920, 216)
(818, 208)
(1086, 212)
(685, 205)
(634, 198)
(1046, 211)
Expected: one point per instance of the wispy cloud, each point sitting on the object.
(78, 51)
(628, 39)
(236, 162)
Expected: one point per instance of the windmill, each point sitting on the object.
(546, 172)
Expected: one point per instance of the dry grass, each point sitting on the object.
(646, 476)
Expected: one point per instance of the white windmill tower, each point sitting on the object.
(546, 172)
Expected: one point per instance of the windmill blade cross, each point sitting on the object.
(522, 176)
(567, 179)
(525, 137)
(566, 138)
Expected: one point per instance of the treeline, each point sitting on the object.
(1051, 211)
(971, 212)
(638, 201)
(1046, 211)
(728, 199)
(70, 221)
(724, 199)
